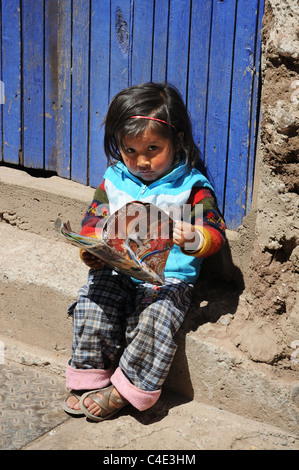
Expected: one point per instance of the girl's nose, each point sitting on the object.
(142, 161)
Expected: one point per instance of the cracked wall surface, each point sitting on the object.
(272, 275)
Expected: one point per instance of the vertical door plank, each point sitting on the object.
(64, 87)
(99, 86)
(160, 42)
(199, 68)
(120, 46)
(2, 91)
(57, 86)
(80, 91)
(241, 109)
(255, 107)
(178, 46)
(33, 82)
(142, 40)
(218, 112)
(11, 77)
(51, 85)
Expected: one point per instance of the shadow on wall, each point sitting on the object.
(216, 294)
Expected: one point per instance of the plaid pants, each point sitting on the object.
(115, 319)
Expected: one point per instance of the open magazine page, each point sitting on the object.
(136, 240)
(143, 232)
(95, 246)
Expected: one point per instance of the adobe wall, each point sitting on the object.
(271, 277)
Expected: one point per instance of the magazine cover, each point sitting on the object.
(135, 240)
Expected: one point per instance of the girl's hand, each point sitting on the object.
(186, 236)
(90, 260)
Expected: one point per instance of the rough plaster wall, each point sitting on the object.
(277, 220)
(272, 277)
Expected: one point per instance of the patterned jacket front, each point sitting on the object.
(180, 187)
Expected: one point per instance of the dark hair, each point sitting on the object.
(158, 100)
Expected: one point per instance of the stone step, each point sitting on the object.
(32, 418)
(171, 425)
(35, 277)
(40, 275)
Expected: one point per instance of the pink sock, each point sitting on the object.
(87, 379)
(140, 399)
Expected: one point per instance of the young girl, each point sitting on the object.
(152, 157)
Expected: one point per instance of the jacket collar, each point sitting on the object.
(173, 175)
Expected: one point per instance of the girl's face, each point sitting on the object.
(147, 156)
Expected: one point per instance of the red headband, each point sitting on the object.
(153, 119)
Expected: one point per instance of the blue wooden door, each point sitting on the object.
(63, 60)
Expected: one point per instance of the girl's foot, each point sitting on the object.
(103, 403)
(72, 403)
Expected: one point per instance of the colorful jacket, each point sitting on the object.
(180, 186)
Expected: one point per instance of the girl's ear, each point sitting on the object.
(180, 140)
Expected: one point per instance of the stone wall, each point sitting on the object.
(272, 276)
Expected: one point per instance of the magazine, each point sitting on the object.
(135, 240)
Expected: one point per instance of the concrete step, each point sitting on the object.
(35, 277)
(40, 275)
(32, 419)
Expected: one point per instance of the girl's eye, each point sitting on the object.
(130, 150)
(152, 147)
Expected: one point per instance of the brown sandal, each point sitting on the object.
(107, 410)
(68, 409)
